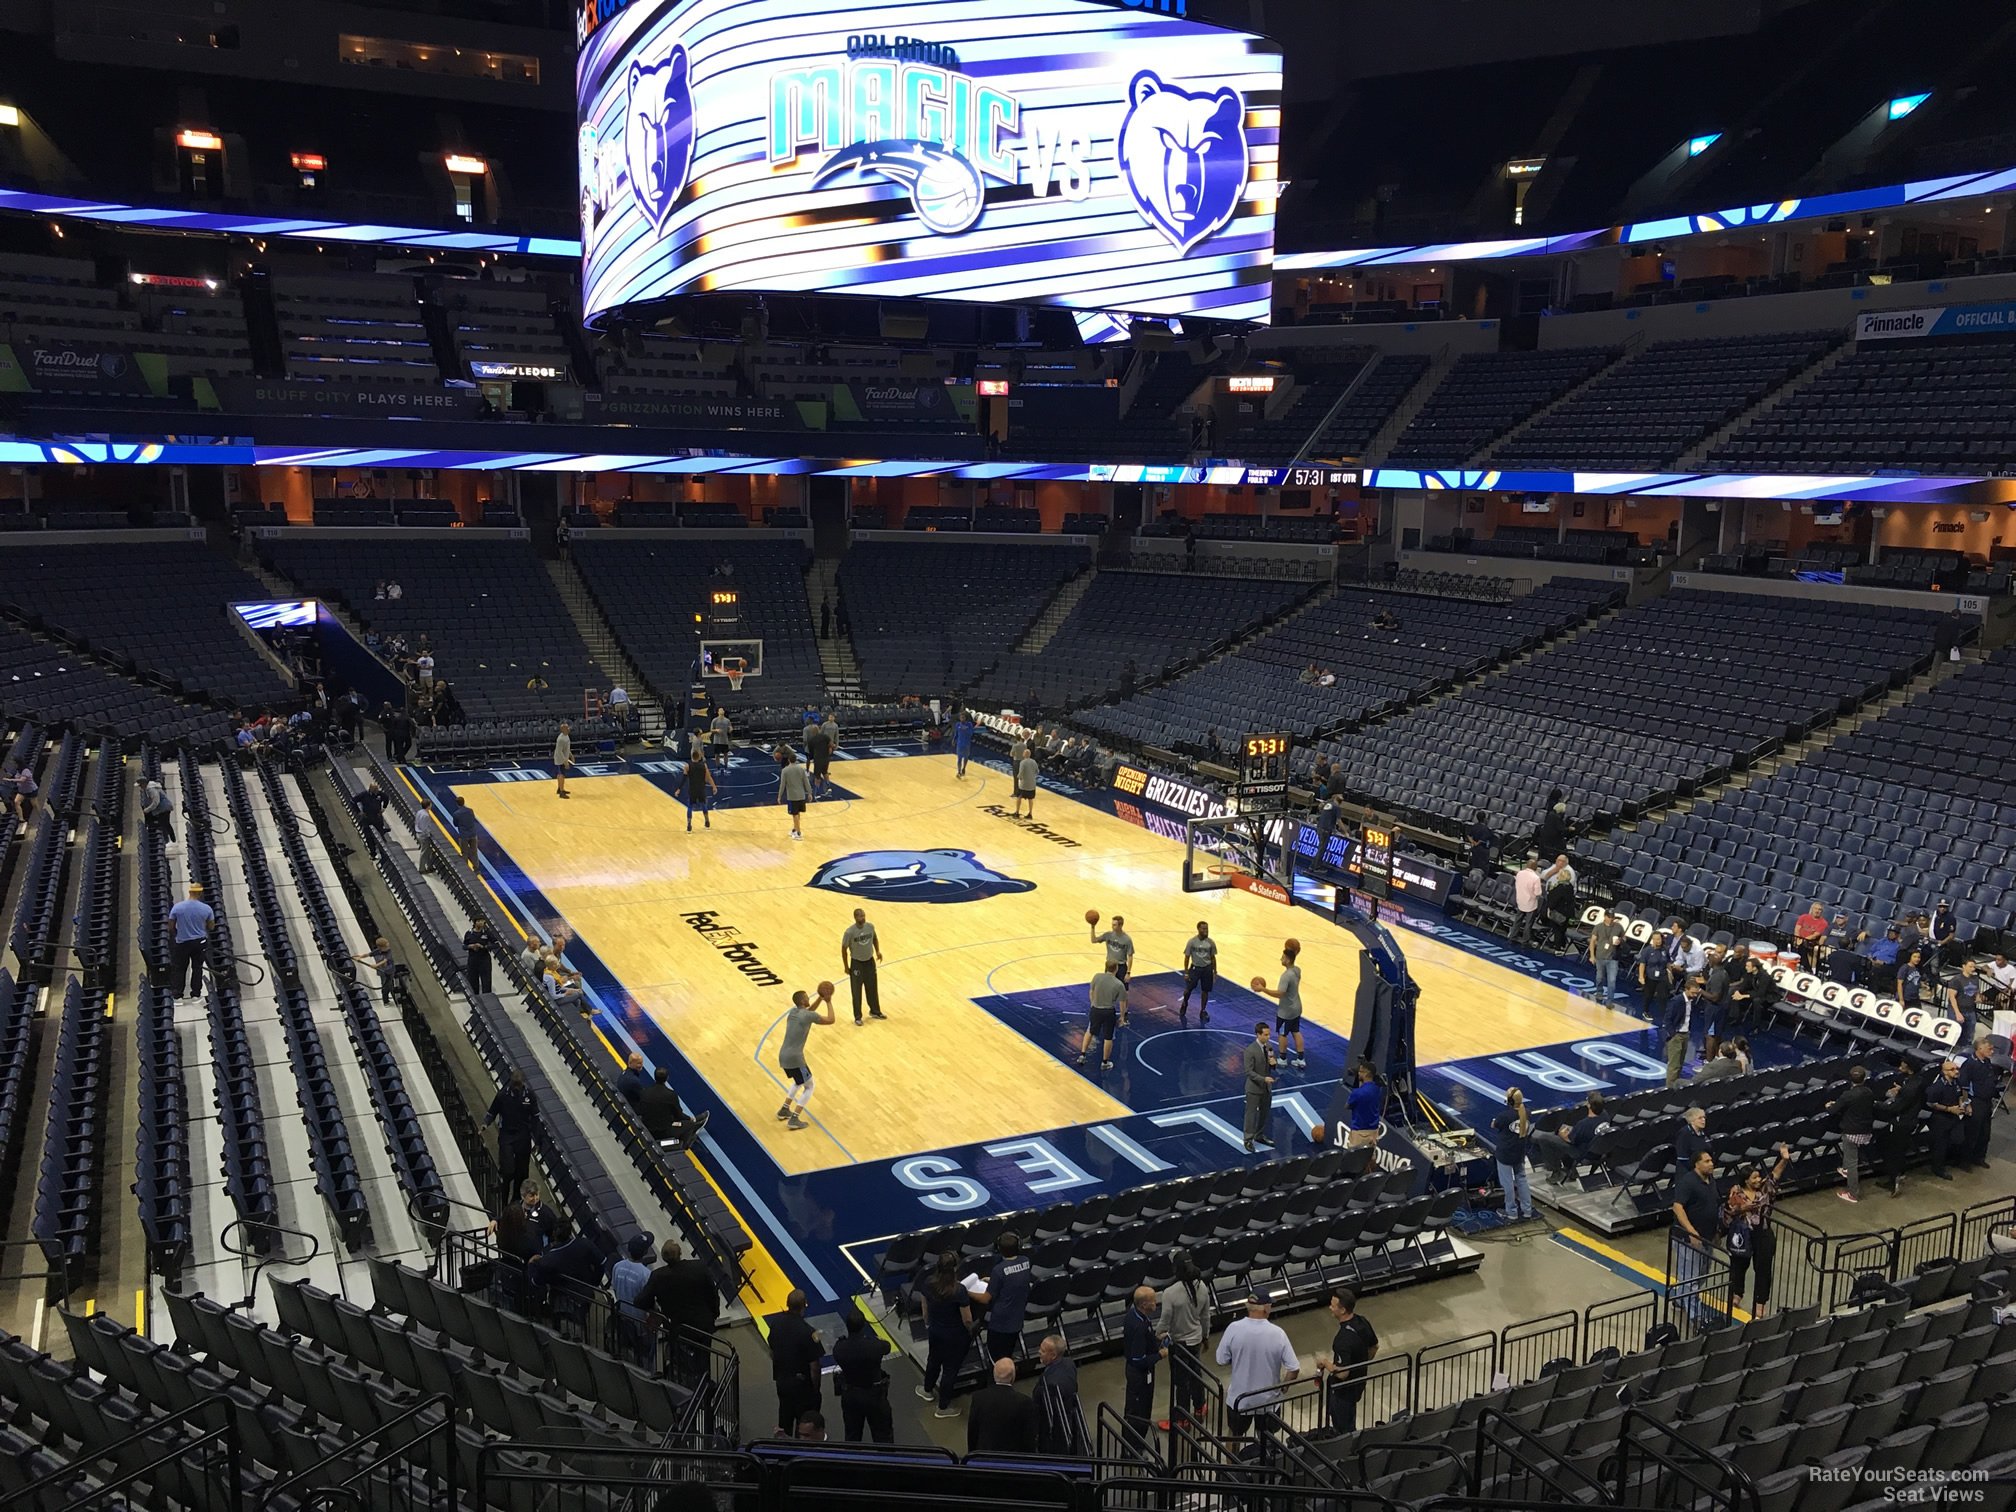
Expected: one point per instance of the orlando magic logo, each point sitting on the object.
(945, 189)
(909, 876)
(1184, 157)
(658, 134)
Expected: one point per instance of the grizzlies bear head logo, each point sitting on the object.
(1184, 157)
(658, 134)
(911, 876)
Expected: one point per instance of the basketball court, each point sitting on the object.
(967, 1099)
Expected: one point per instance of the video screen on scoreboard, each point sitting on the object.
(1062, 152)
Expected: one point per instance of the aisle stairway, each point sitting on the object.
(836, 651)
(1039, 635)
(602, 644)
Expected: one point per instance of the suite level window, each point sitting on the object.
(437, 58)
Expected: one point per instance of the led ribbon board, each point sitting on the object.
(1054, 152)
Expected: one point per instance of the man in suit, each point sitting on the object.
(1001, 1420)
(1060, 1415)
(1906, 1100)
(1677, 1027)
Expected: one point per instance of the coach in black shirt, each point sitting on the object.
(795, 1359)
(1001, 1420)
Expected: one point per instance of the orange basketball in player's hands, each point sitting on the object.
(1259, 983)
(1295, 945)
(1091, 916)
(826, 990)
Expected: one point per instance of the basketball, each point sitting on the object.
(1294, 945)
(1091, 916)
(1259, 983)
(825, 989)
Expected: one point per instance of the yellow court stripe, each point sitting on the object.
(1649, 1272)
(766, 1276)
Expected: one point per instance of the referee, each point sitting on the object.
(860, 949)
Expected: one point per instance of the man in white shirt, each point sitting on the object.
(1262, 1359)
(1526, 895)
(2002, 982)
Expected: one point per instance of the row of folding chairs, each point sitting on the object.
(543, 1357)
(161, 1182)
(502, 739)
(412, 1163)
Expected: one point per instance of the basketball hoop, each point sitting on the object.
(734, 669)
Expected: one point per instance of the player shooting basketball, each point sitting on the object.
(1287, 994)
(1119, 953)
(791, 1055)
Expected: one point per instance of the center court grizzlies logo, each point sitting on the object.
(945, 189)
(658, 134)
(1184, 157)
(909, 876)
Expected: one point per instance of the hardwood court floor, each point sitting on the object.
(616, 864)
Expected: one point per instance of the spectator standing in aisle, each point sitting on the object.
(466, 827)
(1948, 1106)
(1262, 1360)
(1060, 1417)
(1695, 1212)
(826, 629)
(23, 781)
(157, 810)
(1855, 1116)
(1186, 1320)
(478, 947)
(619, 709)
(379, 959)
(1983, 1080)
(1352, 1348)
(190, 923)
(1526, 895)
(1682, 1012)
(682, 1294)
(1143, 1347)
(1900, 1132)
(1003, 1421)
(1963, 998)
(795, 1358)
(398, 727)
(1605, 940)
(515, 1111)
(563, 757)
(371, 817)
(1747, 1231)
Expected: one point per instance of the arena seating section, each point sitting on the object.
(354, 328)
(1259, 686)
(488, 608)
(1151, 621)
(651, 366)
(1485, 395)
(1886, 1389)
(159, 608)
(1640, 709)
(1645, 411)
(1148, 431)
(649, 592)
(1912, 807)
(1317, 391)
(932, 616)
(501, 322)
(1936, 407)
(50, 683)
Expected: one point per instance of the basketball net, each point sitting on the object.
(734, 671)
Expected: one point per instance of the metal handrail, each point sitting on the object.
(442, 1428)
(148, 1438)
(252, 1287)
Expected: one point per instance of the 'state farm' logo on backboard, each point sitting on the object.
(909, 876)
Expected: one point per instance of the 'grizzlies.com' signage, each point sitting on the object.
(1068, 152)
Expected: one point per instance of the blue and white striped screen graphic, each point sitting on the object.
(1057, 152)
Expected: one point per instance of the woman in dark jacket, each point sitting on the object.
(948, 1333)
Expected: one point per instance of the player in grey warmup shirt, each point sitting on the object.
(791, 1055)
(1119, 957)
(1025, 784)
(1107, 990)
(1258, 1063)
(1200, 973)
(794, 791)
(859, 951)
(718, 733)
(1288, 993)
(563, 755)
